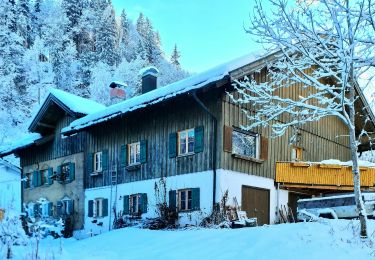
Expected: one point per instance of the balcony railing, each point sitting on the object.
(321, 176)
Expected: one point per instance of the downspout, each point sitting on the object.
(214, 145)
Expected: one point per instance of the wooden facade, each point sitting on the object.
(54, 146)
(154, 125)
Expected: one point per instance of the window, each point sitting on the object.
(28, 181)
(184, 200)
(65, 207)
(245, 144)
(134, 153)
(44, 176)
(65, 170)
(98, 161)
(135, 204)
(186, 142)
(296, 153)
(45, 208)
(98, 208)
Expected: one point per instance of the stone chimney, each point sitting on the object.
(149, 78)
(117, 91)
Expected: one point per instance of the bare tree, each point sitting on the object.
(324, 47)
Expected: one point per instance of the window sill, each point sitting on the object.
(187, 211)
(133, 167)
(185, 155)
(96, 173)
(247, 158)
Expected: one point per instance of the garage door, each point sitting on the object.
(256, 203)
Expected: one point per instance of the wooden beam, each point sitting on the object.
(46, 125)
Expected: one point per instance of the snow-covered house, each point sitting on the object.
(189, 135)
(52, 165)
(10, 187)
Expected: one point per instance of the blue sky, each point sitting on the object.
(207, 32)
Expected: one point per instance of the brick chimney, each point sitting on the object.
(117, 91)
(149, 78)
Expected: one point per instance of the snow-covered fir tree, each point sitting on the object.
(175, 58)
(78, 46)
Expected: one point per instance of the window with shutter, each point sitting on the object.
(72, 169)
(186, 142)
(123, 155)
(134, 153)
(172, 145)
(50, 173)
(172, 200)
(90, 209)
(199, 139)
(188, 199)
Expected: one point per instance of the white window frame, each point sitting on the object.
(135, 150)
(137, 198)
(186, 132)
(98, 207)
(29, 180)
(65, 202)
(185, 207)
(295, 152)
(30, 209)
(44, 176)
(44, 207)
(257, 144)
(98, 162)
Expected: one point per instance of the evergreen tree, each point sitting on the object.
(141, 25)
(35, 19)
(124, 27)
(24, 21)
(73, 11)
(107, 37)
(175, 58)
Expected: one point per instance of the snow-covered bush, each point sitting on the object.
(11, 234)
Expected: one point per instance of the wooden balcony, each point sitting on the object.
(321, 176)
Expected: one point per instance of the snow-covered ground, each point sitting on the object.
(326, 239)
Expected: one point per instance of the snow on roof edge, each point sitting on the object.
(191, 83)
(22, 143)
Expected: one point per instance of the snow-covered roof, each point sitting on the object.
(24, 142)
(9, 165)
(160, 94)
(75, 103)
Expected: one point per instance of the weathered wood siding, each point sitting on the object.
(58, 147)
(320, 140)
(153, 124)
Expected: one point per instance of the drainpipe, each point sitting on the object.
(214, 144)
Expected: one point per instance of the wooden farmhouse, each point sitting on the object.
(88, 161)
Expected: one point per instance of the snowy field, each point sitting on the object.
(328, 239)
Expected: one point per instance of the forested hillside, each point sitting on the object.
(78, 46)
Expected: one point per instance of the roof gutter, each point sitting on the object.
(214, 144)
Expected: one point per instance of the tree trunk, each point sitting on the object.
(357, 185)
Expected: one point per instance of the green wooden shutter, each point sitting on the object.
(71, 207)
(39, 174)
(59, 207)
(195, 199)
(90, 163)
(58, 173)
(126, 205)
(90, 212)
(50, 173)
(172, 200)
(144, 203)
(143, 148)
(124, 155)
(36, 210)
(199, 139)
(35, 179)
(105, 159)
(105, 208)
(72, 169)
(49, 208)
(172, 145)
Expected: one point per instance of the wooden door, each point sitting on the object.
(256, 203)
